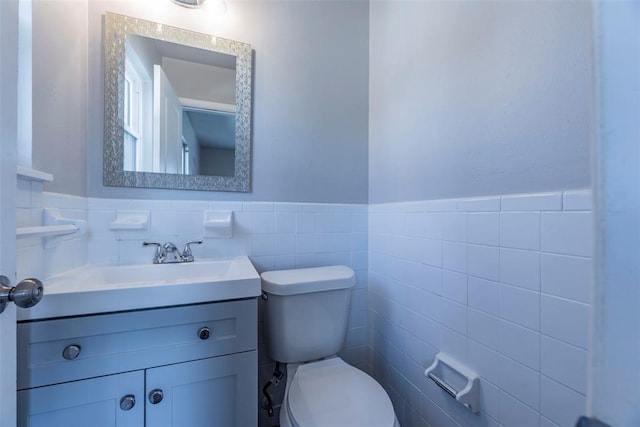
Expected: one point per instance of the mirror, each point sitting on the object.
(177, 108)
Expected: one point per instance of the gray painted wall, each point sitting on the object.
(464, 98)
(310, 132)
(59, 94)
(310, 135)
(478, 98)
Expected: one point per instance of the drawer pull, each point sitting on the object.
(156, 396)
(204, 333)
(71, 352)
(127, 402)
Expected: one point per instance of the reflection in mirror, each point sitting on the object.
(213, 134)
(177, 108)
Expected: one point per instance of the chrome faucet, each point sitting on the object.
(169, 253)
(172, 254)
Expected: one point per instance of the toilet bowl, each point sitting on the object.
(333, 393)
(306, 315)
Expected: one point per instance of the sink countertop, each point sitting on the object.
(95, 289)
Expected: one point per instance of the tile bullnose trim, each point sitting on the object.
(577, 200)
(33, 174)
(532, 202)
(568, 200)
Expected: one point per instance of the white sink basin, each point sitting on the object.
(94, 277)
(107, 288)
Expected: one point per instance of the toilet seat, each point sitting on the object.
(332, 393)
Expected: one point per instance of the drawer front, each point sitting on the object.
(55, 351)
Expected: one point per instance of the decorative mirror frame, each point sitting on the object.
(116, 29)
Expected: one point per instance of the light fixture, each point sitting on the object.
(218, 7)
(189, 3)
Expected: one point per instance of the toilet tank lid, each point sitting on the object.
(307, 280)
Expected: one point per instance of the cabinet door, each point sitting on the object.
(95, 402)
(220, 391)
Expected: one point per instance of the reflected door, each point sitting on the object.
(167, 133)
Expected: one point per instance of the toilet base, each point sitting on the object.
(285, 416)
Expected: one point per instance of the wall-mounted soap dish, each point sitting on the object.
(456, 380)
(218, 224)
(130, 220)
(130, 225)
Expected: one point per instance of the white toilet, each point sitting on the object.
(306, 322)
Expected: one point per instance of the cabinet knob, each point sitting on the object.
(72, 351)
(204, 333)
(156, 396)
(127, 402)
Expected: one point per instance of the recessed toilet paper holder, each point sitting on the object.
(456, 380)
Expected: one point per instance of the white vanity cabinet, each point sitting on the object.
(218, 391)
(186, 366)
(94, 402)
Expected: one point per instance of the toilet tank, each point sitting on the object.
(306, 312)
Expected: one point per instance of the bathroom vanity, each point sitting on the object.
(192, 364)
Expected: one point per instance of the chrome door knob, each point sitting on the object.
(127, 402)
(156, 396)
(71, 352)
(28, 293)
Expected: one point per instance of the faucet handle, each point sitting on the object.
(187, 255)
(160, 255)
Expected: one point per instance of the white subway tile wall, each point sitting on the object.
(274, 235)
(69, 251)
(509, 297)
(500, 283)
